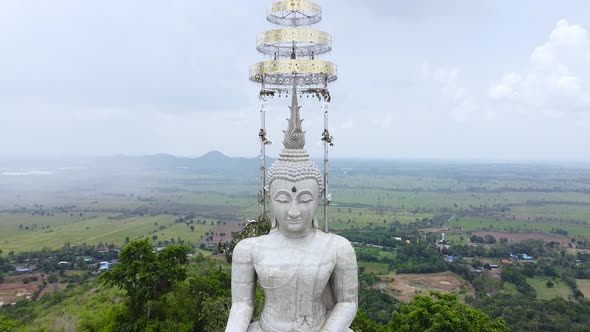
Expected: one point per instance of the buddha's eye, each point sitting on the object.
(305, 198)
(282, 198)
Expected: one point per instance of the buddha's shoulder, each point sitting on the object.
(246, 249)
(336, 241)
(250, 242)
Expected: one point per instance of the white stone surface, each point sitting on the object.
(309, 277)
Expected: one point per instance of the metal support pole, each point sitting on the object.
(263, 142)
(327, 140)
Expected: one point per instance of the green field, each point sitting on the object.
(491, 224)
(375, 268)
(559, 289)
(366, 194)
(344, 218)
(584, 286)
(55, 231)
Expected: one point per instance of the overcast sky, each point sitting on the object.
(429, 79)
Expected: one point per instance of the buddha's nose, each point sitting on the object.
(293, 211)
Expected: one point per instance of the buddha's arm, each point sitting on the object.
(344, 283)
(243, 280)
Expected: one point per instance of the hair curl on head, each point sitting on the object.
(294, 165)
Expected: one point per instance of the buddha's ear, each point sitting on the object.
(315, 224)
(273, 222)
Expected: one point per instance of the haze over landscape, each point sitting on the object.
(130, 168)
(500, 80)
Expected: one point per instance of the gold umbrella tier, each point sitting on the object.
(294, 13)
(278, 73)
(304, 42)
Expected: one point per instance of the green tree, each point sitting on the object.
(145, 275)
(211, 293)
(260, 227)
(442, 312)
(52, 278)
(8, 325)
(363, 323)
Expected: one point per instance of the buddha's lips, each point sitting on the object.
(294, 221)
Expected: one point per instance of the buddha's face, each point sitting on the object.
(294, 205)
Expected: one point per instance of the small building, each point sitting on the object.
(506, 261)
(104, 266)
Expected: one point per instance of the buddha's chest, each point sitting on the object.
(289, 268)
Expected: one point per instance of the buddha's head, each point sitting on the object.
(294, 186)
(294, 182)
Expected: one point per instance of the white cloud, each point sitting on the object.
(448, 77)
(461, 105)
(557, 77)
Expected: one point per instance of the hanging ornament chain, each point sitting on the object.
(263, 142)
(327, 139)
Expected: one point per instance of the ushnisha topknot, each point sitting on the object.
(294, 165)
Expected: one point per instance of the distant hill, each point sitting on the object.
(210, 162)
(215, 162)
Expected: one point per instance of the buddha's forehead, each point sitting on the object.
(306, 184)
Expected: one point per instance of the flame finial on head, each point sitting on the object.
(294, 135)
(294, 163)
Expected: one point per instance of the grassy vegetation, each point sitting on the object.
(374, 267)
(78, 305)
(87, 306)
(584, 286)
(55, 231)
(470, 223)
(509, 288)
(366, 195)
(562, 211)
(559, 288)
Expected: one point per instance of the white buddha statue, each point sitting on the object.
(309, 277)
